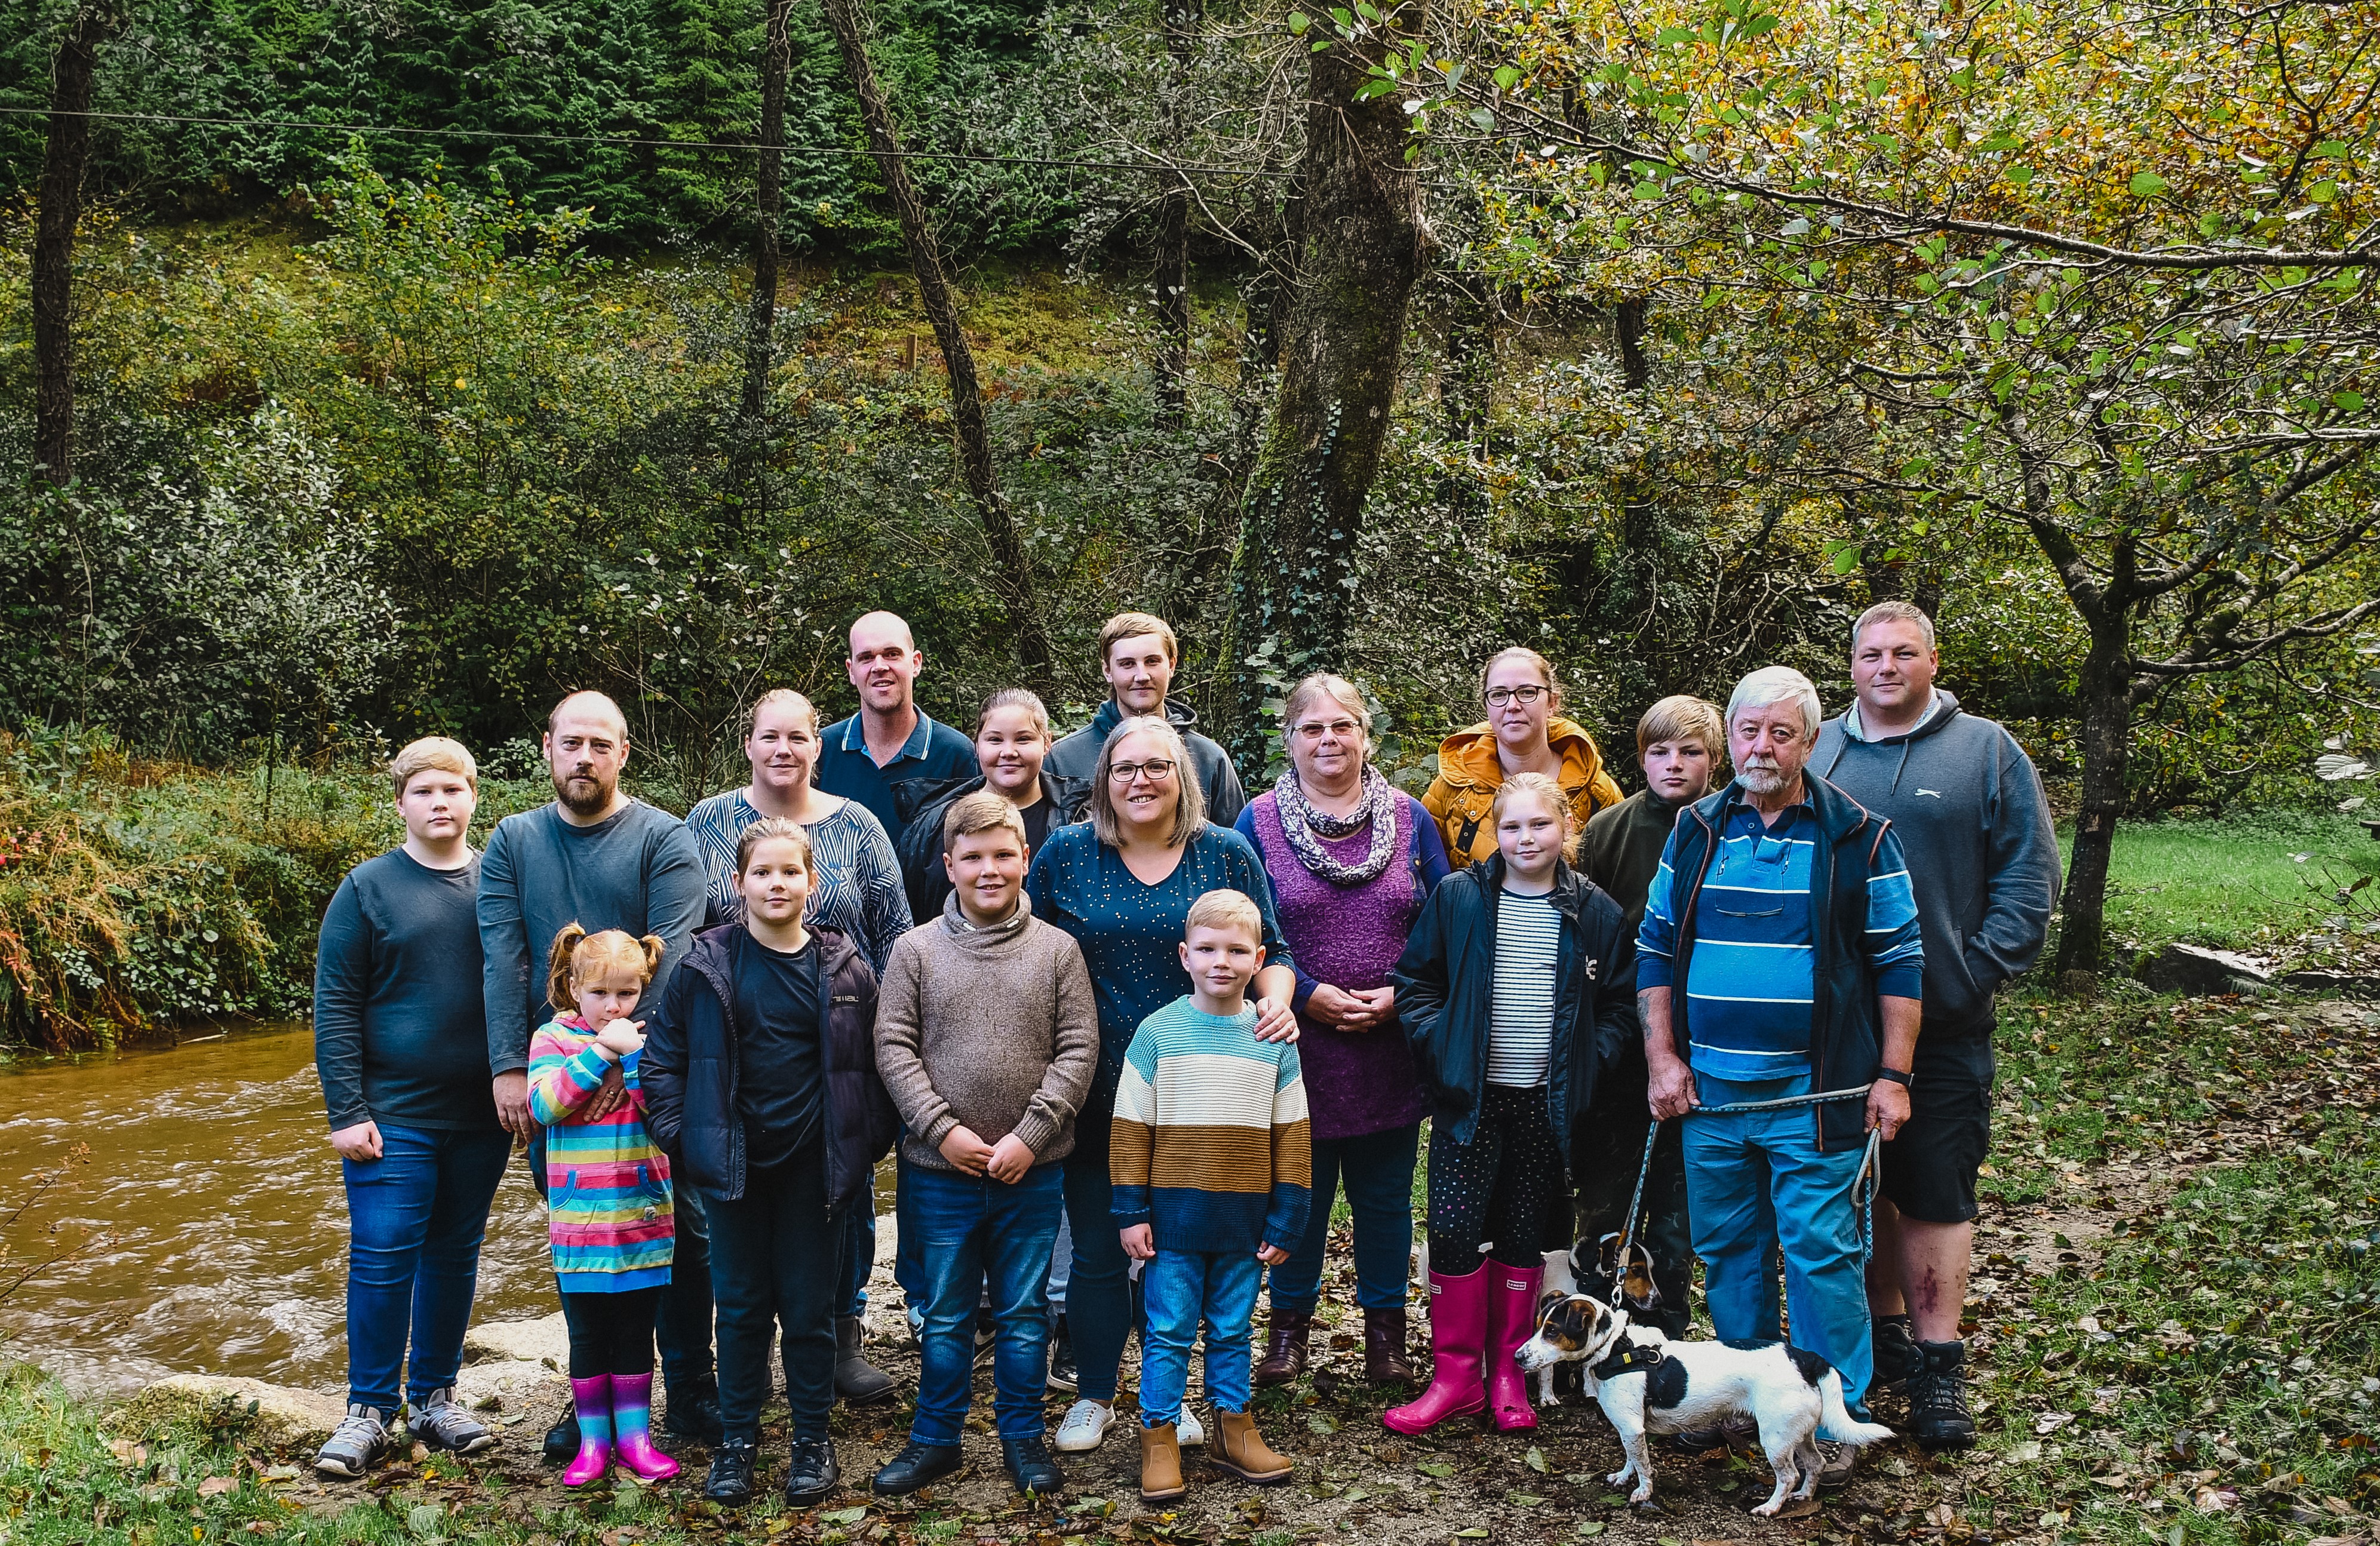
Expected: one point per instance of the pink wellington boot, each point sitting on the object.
(1512, 1320)
(593, 1399)
(1458, 1335)
(632, 1427)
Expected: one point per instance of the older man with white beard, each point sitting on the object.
(1780, 956)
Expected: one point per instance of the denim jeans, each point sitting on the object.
(775, 1261)
(417, 1215)
(685, 1326)
(968, 1228)
(908, 1256)
(1098, 1302)
(1757, 1182)
(857, 1255)
(1377, 1169)
(1180, 1288)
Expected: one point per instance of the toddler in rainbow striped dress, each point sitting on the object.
(607, 1188)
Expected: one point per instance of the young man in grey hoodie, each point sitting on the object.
(1971, 813)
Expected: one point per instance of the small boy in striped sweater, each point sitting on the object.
(1212, 1173)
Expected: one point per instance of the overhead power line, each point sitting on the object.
(638, 142)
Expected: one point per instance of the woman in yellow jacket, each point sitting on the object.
(1523, 733)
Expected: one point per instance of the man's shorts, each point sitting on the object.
(1929, 1170)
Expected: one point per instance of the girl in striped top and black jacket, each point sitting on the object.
(1516, 989)
(607, 1191)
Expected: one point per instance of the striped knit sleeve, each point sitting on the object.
(1132, 1137)
(1895, 947)
(1657, 937)
(561, 1080)
(1292, 1156)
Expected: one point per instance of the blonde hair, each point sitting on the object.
(1131, 626)
(1545, 789)
(1225, 909)
(768, 829)
(1015, 697)
(432, 753)
(1893, 612)
(1684, 717)
(1189, 799)
(1523, 652)
(1325, 684)
(772, 698)
(983, 811)
(579, 955)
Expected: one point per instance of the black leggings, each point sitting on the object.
(611, 1334)
(1505, 1187)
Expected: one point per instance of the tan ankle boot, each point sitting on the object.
(1160, 1465)
(1244, 1453)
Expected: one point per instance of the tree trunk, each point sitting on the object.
(1362, 240)
(1013, 579)
(95, 24)
(761, 344)
(1466, 387)
(1172, 277)
(2107, 691)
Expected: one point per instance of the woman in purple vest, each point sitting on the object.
(1351, 860)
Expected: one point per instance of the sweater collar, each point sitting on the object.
(955, 920)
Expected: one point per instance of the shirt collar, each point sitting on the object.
(1738, 803)
(854, 740)
(1852, 728)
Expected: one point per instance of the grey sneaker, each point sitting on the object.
(360, 1439)
(1835, 1461)
(441, 1424)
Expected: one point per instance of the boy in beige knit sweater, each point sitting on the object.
(987, 1035)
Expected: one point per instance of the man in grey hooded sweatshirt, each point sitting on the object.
(1971, 813)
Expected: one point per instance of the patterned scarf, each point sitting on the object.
(1300, 821)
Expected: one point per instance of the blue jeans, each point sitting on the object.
(908, 1256)
(417, 1215)
(1377, 1169)
(858, 1256)
(969, 1227)
(1180, 1288)
(1098, 1302)
(1754, 1182)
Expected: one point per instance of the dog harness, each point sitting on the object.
(1629, 1357)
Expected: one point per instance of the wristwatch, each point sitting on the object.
(1895, 1075)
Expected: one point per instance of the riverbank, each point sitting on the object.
(2176, 1318)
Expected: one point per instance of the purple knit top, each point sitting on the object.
(1356, 1081)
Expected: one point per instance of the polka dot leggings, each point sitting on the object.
(1497, 1193)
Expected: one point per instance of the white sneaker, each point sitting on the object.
(1187, 1429)
(1086, 1423)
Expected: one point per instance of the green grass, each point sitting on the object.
(2232, 883)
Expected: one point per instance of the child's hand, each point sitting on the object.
(1141, 1244)
(622, 1037)
(1271, 1255)
(964, 1150)
(1010, 1160)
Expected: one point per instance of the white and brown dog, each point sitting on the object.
(1647, 1384)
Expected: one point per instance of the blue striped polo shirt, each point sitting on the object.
(1749, 992)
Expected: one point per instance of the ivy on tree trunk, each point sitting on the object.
(95, 24)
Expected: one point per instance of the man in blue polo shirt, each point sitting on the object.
(1780, 956)
(890, 740)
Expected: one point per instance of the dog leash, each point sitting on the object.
(1864, 1186)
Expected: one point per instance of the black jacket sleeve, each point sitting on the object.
(662, 1072)
(1423, 978)
(1618, 1035)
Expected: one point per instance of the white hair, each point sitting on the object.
(1775, 685)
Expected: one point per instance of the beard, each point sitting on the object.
(582, 794)
(1761, 776)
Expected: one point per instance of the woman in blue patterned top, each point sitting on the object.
(1121, 884)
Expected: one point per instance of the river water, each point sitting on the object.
(219, 1225)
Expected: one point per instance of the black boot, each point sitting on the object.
(1062, 1358)
(915, 1466)
(1938, 1417)
(1895, 1353)
(693, 1413)
(812, 1476)
(562, 1439)
(730, 1483)
(1029, 1466)
(856, 1380)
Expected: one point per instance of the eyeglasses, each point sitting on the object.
(1158, 769)
(1498, 696)
(1314, 730)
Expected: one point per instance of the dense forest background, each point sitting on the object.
(413, 341)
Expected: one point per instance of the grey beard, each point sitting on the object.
(1762, 781)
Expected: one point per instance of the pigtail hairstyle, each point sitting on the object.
(557, 966)
(1550, 791)
(578, 953)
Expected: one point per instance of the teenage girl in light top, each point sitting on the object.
(608, 1191)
